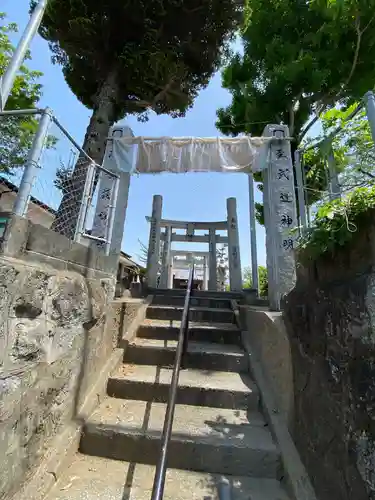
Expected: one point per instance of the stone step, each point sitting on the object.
(203, 439)
(201, 293)
(250, 297)
(221, 333)
(178, 300)
(196, 387)
(96, 478)
(200, 355)
(199, 314)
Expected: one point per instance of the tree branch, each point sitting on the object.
(353, 68)
(163, 92)
(192, 11)
(139, 103)
(159, 96)
(368, 24)
(292, 113)
(356, 53)
(291, 120)
(308, 127)
(372, 176)
(357, 49)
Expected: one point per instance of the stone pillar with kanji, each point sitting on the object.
(212, 261)
(235, 272)
(205, 272)
(280, 214)
(164, 278)
(105, 192)
(154, 242)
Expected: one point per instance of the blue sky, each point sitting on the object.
(185, 196)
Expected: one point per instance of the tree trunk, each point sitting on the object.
(102, 119)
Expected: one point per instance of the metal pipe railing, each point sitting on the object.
(7, 80)
(161, 468)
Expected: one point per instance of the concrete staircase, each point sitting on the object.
(221, 447)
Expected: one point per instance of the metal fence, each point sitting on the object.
(78, 196)
(344, 159)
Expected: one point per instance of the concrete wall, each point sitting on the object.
(265, 337)
(330, 319)
(32, 242)
(59, 337)
(270, 365)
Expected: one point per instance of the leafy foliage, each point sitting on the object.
(247, 280)
(17, 132)
(133, 57)
(222, 268)
(315, 167)
(262, 277)
(299, 60)
(352, 145)
(337, 222)
(350, 141)
(157, 61)
(259, 213)
(62, 180)
(263, 281)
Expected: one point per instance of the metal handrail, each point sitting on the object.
(161, 468)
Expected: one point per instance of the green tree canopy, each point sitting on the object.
(350, 140)
(352, 145)
(299, 60)
(16, 133)
(131, 57)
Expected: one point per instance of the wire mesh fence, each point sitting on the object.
(59, 180)
(65, 190)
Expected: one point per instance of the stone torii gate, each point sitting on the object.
(269, 154)
(200, 260)
(168, 236)
(211, 238)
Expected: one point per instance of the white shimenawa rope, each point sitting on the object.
(196, 154)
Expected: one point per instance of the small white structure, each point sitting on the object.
(182, 260)
(168, 237)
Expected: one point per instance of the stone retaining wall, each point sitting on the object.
(58, 330)
(330, 319)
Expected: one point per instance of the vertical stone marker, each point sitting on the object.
(205, 273)
(235, 273)
(164, 280)
(280, 215)
(106, 184)
(212, 276)
(170, 271)
(154, 242)
(253, 235)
